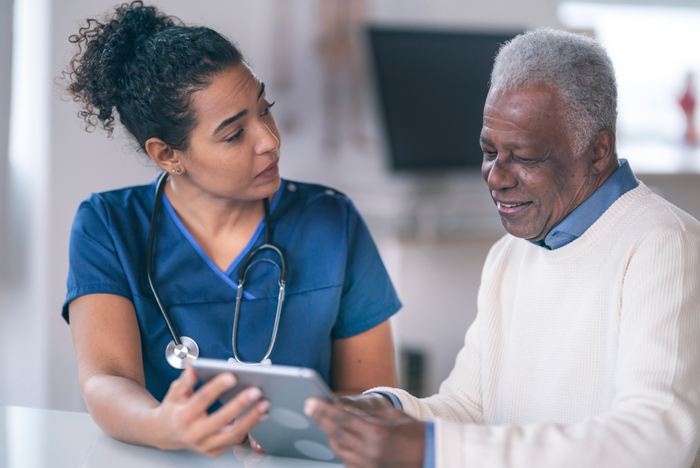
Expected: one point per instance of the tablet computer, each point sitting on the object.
(287, 432)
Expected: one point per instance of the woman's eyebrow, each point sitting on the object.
(229, 121)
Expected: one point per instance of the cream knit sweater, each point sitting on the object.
(585, 356)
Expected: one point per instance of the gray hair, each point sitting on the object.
(577, 67)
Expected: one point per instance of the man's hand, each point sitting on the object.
(370, 403)
(388, 438)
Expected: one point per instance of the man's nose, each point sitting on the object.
(498, 175)
(267, 141)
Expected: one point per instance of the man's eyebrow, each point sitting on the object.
(510, 146)
(262, 90)
(229, 121)
(486, 141)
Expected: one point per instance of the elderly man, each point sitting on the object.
(585, 351)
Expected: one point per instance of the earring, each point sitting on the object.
(178, 170)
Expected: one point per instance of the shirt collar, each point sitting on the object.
(578, 221)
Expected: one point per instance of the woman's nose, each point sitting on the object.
(267, 140)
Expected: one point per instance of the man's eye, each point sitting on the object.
(524, 160)
(235, 136)
(490, 154)
(267, 109)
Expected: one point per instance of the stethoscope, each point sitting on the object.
(182, 348)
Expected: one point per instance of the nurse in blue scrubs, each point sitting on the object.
(196, 109)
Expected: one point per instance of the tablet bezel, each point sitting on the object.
(287, 388)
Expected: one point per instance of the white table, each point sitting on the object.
(33, 438)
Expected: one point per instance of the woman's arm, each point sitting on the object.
(364, 361)
(108, 346)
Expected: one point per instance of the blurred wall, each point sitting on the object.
(437, 274)
(5, 80)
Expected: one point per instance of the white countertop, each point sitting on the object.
(34, 438)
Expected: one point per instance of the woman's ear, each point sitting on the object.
(164, 156)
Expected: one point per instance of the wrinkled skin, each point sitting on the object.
(528, 161)
(387, 438)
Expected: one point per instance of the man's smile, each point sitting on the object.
(511, 207)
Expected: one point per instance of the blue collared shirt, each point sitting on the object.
(578, 221)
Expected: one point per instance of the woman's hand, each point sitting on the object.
(182, 421)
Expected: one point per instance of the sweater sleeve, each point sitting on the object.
(655, 415)
(459, 398)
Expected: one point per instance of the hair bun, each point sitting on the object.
(105, 48)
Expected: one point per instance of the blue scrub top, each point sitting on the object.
(337, 286)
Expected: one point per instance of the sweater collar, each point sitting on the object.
(587, 213)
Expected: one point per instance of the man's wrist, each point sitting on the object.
(368, 402)
(395, 402)
(429, 451)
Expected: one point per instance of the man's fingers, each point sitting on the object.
(336, 421)
(348, 454)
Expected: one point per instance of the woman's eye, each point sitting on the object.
(235, 136)
(267, 109)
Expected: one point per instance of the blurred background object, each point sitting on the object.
(653, 46)
(687, 103)
(362, 87)
(432, 86)
(343, 72)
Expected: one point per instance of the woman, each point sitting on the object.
(190, 101)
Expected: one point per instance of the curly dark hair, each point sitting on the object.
(145, 65)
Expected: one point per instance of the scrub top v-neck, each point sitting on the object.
(337, 288)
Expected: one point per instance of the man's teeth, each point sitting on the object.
(511, 205)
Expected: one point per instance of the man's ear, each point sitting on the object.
(164, 156)
(604, 155)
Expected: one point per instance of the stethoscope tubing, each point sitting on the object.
(149, 255)
(177, 351)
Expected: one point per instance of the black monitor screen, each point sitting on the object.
(432, 86)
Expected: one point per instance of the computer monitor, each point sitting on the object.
(432, 86)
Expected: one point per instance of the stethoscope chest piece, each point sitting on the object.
(177, 355)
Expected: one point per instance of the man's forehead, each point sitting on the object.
(521, 110)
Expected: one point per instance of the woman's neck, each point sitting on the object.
(211, 215)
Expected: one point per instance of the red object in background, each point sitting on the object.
(687, 102)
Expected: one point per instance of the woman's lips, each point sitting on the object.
(512, 208)
(271, 171)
